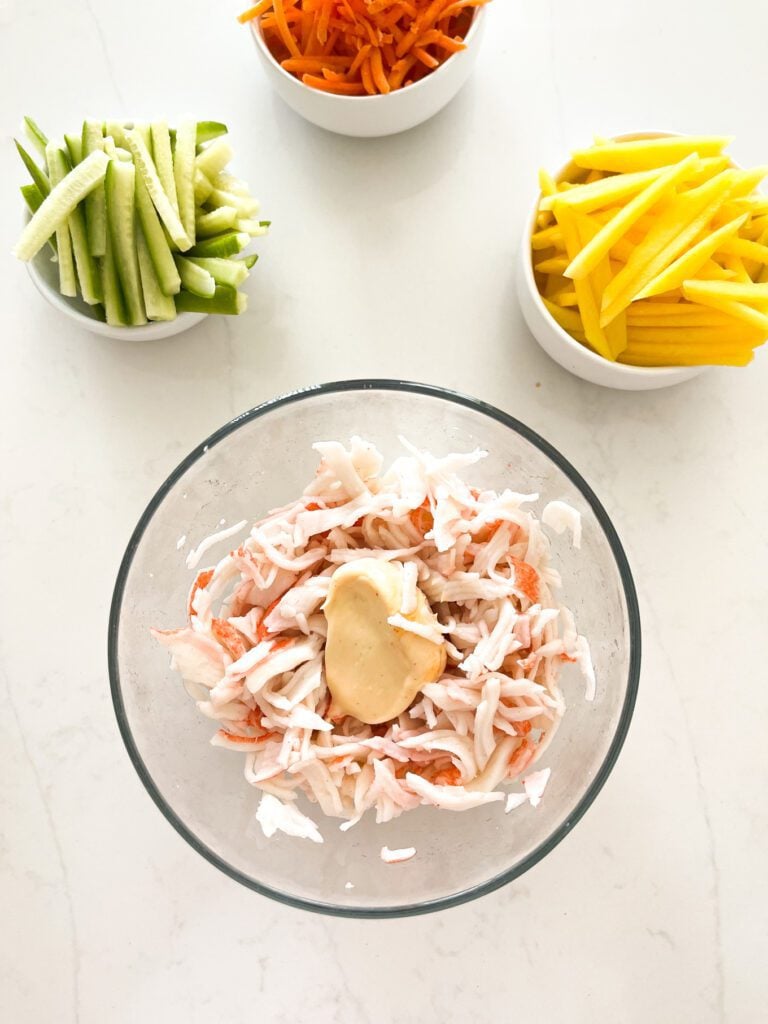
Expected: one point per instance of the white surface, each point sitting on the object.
(374, 116)
(392, 257)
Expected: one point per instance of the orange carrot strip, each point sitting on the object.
(399, 71)
(254, 12)
(426, 58)
(342, 88)
(322, 22)
(285, 32)
(365, 74)
(389, 55)
(298, 65)
(377, 71)
(362, 53)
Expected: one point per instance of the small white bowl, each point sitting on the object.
(45, 276)
(565, 350)
(375, 116)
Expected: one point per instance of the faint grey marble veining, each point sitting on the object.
(719, 1002)
(75, 947)
(105, 51)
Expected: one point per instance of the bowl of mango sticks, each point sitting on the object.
(645, 261)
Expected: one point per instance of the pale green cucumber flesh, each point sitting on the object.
(223, 271)
(194, 279)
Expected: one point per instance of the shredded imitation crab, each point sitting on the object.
(252, 651)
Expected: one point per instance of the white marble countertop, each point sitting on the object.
(387, 258)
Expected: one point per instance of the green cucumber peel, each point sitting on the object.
(114, 304)
(74, 148)
(36, 135)
(120, 187)
(156, 241)
(249, 261)
(158, 305)
(92, 141)
(224, 301)
(228, 244)
(37, 174)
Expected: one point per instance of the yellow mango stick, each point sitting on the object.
(688, 265)
(671, 356)
(547, 183)
(599, 279)
(544, 220)
(604, 192)
(680, 310)
(588, 306)
(554, 284)
(716, 336)
(547, 238)
(615, 229)
(646, 154)
(756, 251)
(554, 265)
(673, 233)
(740, 311)
(737, 268)
(568, 319)
(731, 291)
(712, 271)
(566, 298)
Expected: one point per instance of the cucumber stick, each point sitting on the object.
(57, 169)
(208, 130)
(202, 187)
(120, 186)
(215, 222)
(74, 148)
(228, 244)
(155, 241)
(225, 300)
(184, 175)
(114, 305)
(33, 197)
(60, 203)
(195, 278)
(255, 228)
(214, 158)
(163, 157)
(87, 271)
(36, 134)
(36, 173)
(245, 206)
(249, 261)
(95, 211)
(145, 166)
(158, 305)
(229, 272)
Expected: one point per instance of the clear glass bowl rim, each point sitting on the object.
(633, 616)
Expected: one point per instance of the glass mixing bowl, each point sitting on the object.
(263, 459)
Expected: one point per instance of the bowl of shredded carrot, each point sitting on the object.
(367, 67)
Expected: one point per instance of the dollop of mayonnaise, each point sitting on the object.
(374, 669)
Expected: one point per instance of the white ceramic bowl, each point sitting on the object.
(565, 350)
(45, 276)
(373, 116)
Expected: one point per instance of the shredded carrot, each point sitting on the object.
(362, 47)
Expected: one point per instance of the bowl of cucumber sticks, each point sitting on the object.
(137, 230)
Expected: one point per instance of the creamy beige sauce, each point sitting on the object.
(374, 670)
